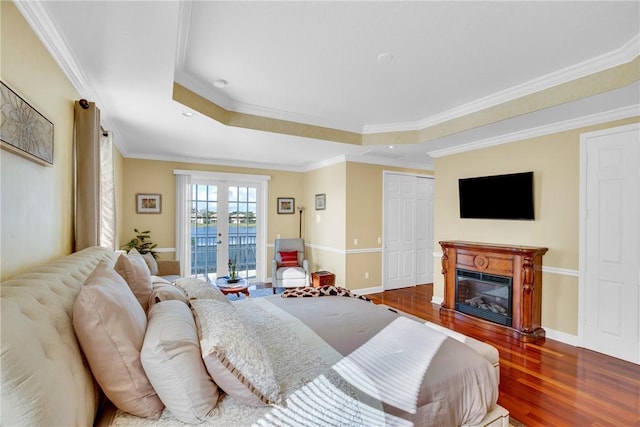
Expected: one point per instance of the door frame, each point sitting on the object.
(582, 239)
(385, 174)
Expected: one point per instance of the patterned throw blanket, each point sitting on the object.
(322, 291)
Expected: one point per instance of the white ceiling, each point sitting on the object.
(317, 63)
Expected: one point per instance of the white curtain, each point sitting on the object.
(107, 193)
(183, 223)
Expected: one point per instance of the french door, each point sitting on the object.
(226, 224)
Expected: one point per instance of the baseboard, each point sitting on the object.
(563, 337)
(366, 291)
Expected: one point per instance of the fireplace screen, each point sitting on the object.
(484, 295)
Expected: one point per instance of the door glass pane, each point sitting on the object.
(242, 229)
(204, 232)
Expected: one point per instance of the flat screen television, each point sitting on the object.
(507, 196)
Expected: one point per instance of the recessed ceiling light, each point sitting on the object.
(220, 83)
(187, 114)
(385, 58)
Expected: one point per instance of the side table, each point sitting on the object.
(241, 287)
(323, 278)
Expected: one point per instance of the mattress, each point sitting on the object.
(345, 361)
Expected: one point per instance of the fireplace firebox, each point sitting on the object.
(487, 296)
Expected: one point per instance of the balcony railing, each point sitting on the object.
(204, 255)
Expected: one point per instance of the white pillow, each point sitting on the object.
(233, 355)
(172, 359)
(165, 292)
(198, 289)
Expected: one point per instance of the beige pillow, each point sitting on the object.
(134, 270)
(110, 326)
(233, 355)
(172, 360)
(151, 263)
(198, 289)
(166, 292)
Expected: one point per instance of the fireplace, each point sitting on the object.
(498, 287)
(487, 296)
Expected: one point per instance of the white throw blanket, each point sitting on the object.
(391, 365)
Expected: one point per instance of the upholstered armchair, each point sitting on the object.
(289, 268)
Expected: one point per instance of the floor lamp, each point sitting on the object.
(300, 209)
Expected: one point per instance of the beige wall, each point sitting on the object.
(37, 201)
(364, 183)
(324, 230)
(554, 159)
(153, 176)
(353, 210)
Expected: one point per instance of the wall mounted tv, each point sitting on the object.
(497, 197)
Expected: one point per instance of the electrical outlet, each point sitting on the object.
(379, 240)
(366, 274)
(355, 242)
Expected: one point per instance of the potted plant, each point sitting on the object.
(141, 243)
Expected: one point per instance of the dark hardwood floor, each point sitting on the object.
(546, 383)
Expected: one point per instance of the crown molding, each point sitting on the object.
(38, 19)
(590, 120)
(623, 55)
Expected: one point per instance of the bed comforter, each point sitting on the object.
(345, 361)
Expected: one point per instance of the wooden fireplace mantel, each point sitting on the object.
(522, 263)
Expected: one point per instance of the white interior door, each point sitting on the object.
(610, 255)
(424, 230)
(408, 231)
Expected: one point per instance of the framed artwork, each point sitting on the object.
(321, 202)
(23, 130)
(286, 205)
(148, 203)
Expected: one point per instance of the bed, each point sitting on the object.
(331, 360)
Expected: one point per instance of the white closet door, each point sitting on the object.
(408, 231)
(424, 230)
(610, 262)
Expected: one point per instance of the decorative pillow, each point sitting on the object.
(110, 326)
(166, 292)
(172, 359)
(134, 270)
(304, 292)
(289, 259)
(198, 289)
(233, 355)
(151, 263)
(309, 291)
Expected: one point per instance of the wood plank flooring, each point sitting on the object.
(546, 383)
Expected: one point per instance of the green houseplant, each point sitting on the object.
(142, 243)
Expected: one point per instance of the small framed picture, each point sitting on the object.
(286, 205)
(148, 203)
(321, 202)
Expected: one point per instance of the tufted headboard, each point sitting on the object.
(45, 379)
